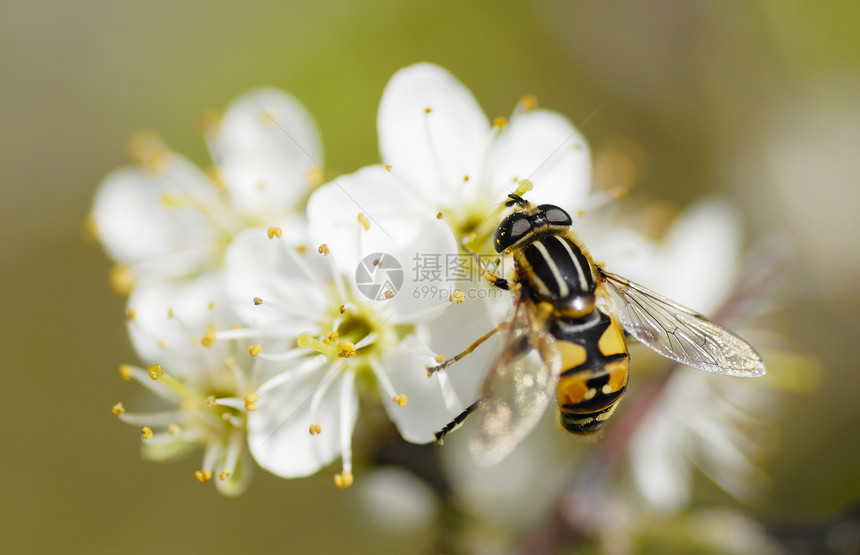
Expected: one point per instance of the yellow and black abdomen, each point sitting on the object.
(594, 372)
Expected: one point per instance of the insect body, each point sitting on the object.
(565, 337)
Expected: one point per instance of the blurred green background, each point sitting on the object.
(756, 100)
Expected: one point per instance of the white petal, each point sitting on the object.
(425, 411)
(660, 468)
(433, 150)
(392, 213)
(278, 432)
(267, 145)
(136, 224)
(171, 318)
(273, 270)
(547, 149)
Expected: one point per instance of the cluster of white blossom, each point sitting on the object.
(256, 326)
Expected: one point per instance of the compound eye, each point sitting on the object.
(511, 230)
(555, 215)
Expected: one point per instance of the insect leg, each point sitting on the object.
(475, 344)
(457, 421)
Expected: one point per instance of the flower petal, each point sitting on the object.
(267, 146)
(547, 149)
(278, 432)
(425, 410)
(144, 215)
(434, 149)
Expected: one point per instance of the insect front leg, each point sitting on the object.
(475, 344)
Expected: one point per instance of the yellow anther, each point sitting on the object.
(342, 309)
(500, 122)
(457, 297)
(170, 314)
(465, 178)
(316, 177)
(345, 349)
(273, 232)
(117, 409)
(619, 192)
(302, 249)
(148, 150)
(255, 350)
(428, 109)
(173, 429)
(323, 249)
(315, 429)
(121, 279)
(250, 402)
(146, 432)
(155, 371)
(439, 215)
(529, 102)
(223, 475)
(399, 400)
(210, 123)
(258, 301)
(211, 401)
(388, 168)
(208, 338)
(203, 476)
(364, 220)
(388, 294)
(130, 314)
(440, 358)
(343, 480)
(125, 371)
(329, 337)
(580, 214)
(577, 146)
(211, 305)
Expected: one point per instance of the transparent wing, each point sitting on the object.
(518, 388)
(679, 333)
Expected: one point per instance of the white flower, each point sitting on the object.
(208, 399)
(166, 222)
(341, 342)
(447, 160)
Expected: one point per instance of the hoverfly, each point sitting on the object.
(565, 336)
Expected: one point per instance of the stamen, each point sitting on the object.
(529, 102)
(174, 429)
(343, 480)
(155, 371)
(203, 476)
(258, 301)
(342, 309)
(210, 124)
(148, 150)
(315, 429)
(255, 350)
(385, 383)
(273, 232)
(323, 250)
(399, 400)
(316, 177)
(330, 337)
(121, 279)
(208, 338)
(347, 409)
(428, 109)
(457, 297)
(500, 122)
(125, 371)
(388, 168)
(146, 432)
(250, 402)
(364, 221)
(223, 475)
(130, 314)
(117, 409)
(90, 227)
(439, 216)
